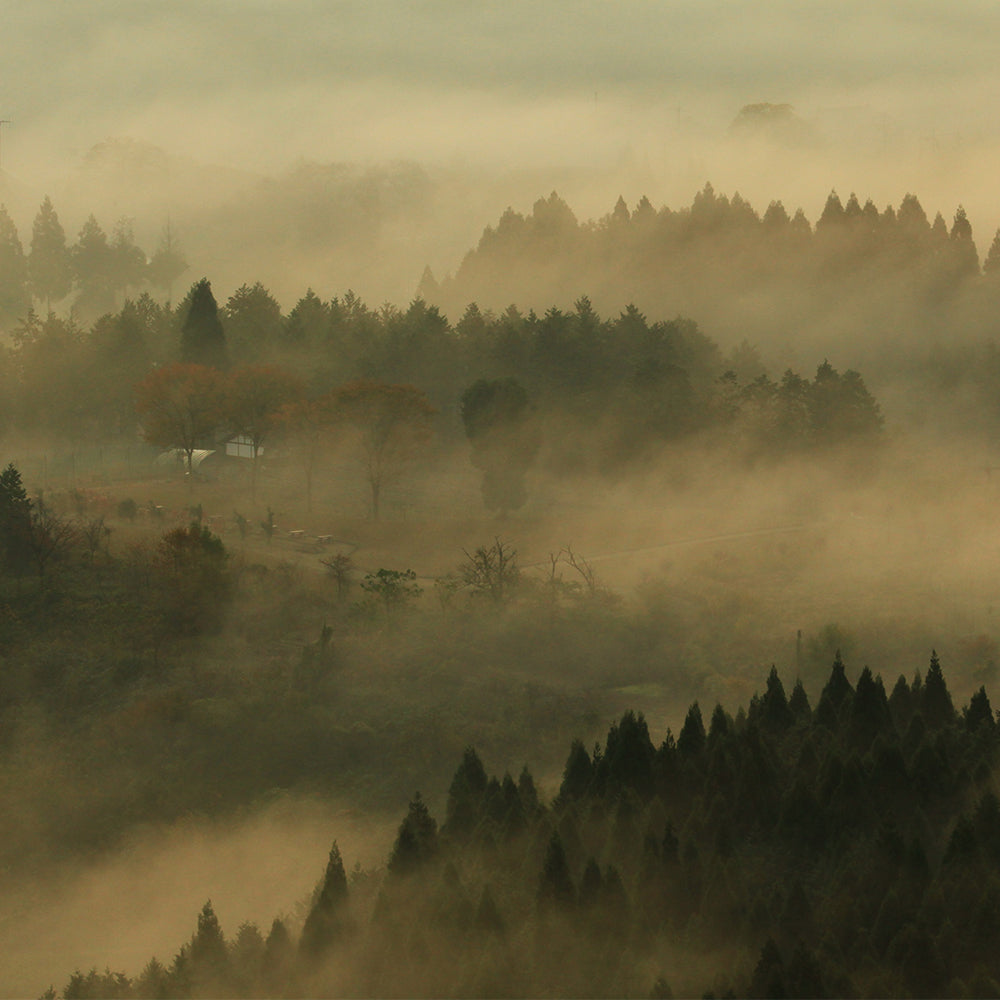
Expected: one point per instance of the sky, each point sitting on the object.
(593, 98)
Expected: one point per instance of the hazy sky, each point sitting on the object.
(262, 83)
(899, 95)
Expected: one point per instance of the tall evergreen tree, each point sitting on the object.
(15, 521)
(327, 920)
(92, 264)
(555, 884)
(203, 340)
(417, 839)
(14, 298)
(465, 796)
(936, 701)
(49, 262)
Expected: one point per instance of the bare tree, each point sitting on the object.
(49, 536)
(492, 570)
(95, 533)
(340, 568)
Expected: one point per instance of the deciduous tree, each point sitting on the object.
(391, 423)
(180, 406)
(254, 396)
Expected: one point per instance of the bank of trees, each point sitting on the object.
(567, 391)
(94, 274)
(842, 847)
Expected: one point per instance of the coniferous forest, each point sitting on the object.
(846, 847)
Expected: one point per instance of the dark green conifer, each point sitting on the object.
(528, 793)
(718, 727)
(328, 919)
(868, 715)
(466, 795)
(578, 774)
(15, 522)
(935, 702)
(555, 885)
(417, 839)
(203, 340)
(209, 958)
(775, 715)
(691, 741)
(834, 696)
(979, 714)
(798, 702)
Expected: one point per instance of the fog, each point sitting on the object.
(496, 107)
(687, 507)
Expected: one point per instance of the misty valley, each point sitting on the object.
(618, 617)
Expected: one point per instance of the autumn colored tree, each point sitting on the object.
(391, 424)
(254, 397)
(179, 406)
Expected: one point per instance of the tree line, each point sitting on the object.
(521, 388)
(96, 270)
(772, 275)
(846, 848)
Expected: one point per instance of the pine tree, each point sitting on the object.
(691, 740)
(14, 297)
(835, 694)
(327, 921)
(578, 774)
(555, 884)
(417, 839)
(209, 959)
(991, 265)
(91, 262)
(980, 712)
(466, 794)
(936, 703)
(798, 702)
(15, 521)
(203, 340)
(49, 262)
(775, 714)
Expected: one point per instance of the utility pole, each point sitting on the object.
(3, 121)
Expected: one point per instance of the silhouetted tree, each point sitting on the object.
(48, 262)
(203, 339)
(328, 920)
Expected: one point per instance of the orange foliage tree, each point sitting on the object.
(179, 406)
(254, 397)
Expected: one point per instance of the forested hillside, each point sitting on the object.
(773, 277)
(846, 847)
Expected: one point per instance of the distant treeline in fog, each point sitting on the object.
(843, 848)
(773, 277)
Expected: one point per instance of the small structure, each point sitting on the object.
(178, 457)
(241, 447)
